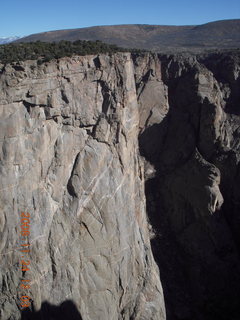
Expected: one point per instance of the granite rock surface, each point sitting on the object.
(110, 153)
(70, 158)
(192, 182)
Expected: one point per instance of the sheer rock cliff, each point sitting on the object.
(119, 158)
(69, 157)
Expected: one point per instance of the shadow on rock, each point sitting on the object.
(66, 310)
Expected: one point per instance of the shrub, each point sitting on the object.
(46, 51)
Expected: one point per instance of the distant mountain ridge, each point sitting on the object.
(213, 35)
(4, 40)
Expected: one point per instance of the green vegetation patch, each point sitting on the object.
(46, 51)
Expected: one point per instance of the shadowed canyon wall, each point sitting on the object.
(190, 138)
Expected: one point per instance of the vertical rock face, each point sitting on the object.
(69, 157)
(84, 141)
(192, 188)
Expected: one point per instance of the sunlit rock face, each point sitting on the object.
(69, 157)
(105, 153)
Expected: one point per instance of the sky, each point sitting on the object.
(24, 17)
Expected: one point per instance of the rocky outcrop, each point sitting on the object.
(192, 197)
(69, 157)
(95, 148)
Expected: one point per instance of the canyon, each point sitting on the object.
(128, 165)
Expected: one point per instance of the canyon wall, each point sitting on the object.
(106, 153)
(69, 157)
(191, 142)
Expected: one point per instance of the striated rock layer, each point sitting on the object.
(92, 145)
(69, 157)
